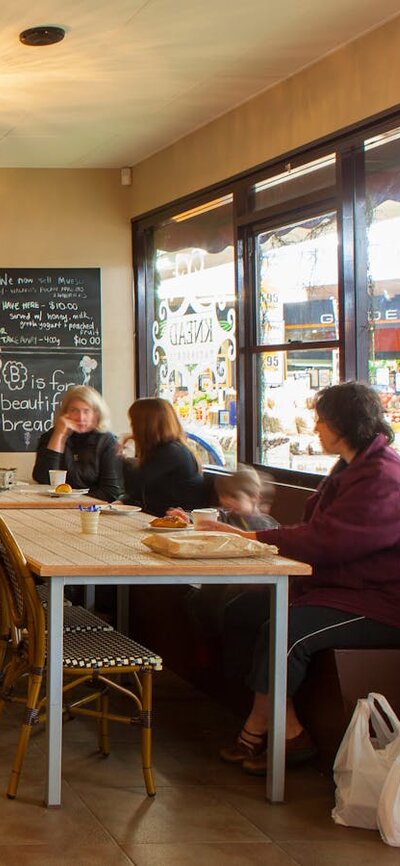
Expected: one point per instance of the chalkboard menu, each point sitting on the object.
(50, 339)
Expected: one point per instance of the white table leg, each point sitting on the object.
(89, 597)
(277, 679)
(123, 611)
(55, 620)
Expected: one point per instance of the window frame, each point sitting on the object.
(347, 197)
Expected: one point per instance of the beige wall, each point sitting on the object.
(69, 218)
(348, 85)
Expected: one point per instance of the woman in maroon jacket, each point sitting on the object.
(351, 536)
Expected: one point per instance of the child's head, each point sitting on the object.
(240, 492)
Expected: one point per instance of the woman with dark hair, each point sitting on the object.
(351, 536)
(165, 473)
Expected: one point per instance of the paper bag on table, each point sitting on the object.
(206, 545)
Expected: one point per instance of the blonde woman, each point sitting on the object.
(81, 443)
(165, 472)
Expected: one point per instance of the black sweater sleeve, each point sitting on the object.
(91, 461)
(45, 460)
(169, 477)
(108, 484)
(139, 477)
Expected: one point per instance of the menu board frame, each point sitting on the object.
(50, 339)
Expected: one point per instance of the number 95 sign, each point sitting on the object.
(273, 368)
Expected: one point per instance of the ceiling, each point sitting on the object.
(133, 76)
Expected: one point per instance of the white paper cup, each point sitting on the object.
(57, 476)
(90, 522)
(200, 514)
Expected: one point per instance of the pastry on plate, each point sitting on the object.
(173, 522)
(63, 488)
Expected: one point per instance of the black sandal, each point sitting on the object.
(243, 749)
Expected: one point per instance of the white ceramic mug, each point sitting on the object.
(199, 514)
(57, 476)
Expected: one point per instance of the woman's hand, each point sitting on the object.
(217, 526)
(63, 428)
(178, 512)
(126, 446)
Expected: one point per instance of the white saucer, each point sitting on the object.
(71, 493)
(120, 509)
(170, 528)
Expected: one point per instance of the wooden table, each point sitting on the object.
(55, 549)
(34, 496)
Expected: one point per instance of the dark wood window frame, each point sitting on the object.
(347, 197)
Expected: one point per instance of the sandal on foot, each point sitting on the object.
(298, 750)
(243, 749)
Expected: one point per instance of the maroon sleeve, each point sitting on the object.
(363, 518)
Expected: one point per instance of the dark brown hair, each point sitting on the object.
(154, 422)
(353, 410)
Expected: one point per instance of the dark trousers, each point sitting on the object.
(230, 617)
(311, 629)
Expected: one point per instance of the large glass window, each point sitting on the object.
(310, 242)
(295, 181)
(193, 335)
(382, 166)
(297, 305)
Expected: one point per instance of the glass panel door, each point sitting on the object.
(382, 165)
(193, 310)
(297, 335)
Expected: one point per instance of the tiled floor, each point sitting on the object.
(205, 813)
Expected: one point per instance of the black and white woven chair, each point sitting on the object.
(97, 658)
(76, 618)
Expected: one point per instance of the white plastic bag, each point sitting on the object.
(388, 816)
(362, 763)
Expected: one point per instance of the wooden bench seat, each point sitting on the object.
(334, 682)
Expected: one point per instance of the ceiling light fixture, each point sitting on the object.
(44, 35)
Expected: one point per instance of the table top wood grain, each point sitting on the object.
(53, 544)
(38, 496)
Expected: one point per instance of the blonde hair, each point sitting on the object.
(242, 481)
(246, 480)
(154, 422)
(93, 399)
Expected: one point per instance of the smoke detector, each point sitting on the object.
(45, 35)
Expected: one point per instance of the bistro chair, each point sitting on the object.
(76, 618)
(5, 630)
(91, 658)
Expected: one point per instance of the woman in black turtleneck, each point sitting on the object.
(81, 443)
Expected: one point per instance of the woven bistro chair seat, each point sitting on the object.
(100, 650)
(42, 593)
(76, 618)
(92, 657)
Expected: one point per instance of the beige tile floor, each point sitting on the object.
(205, 812)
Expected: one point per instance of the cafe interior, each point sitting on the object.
(199, 203)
